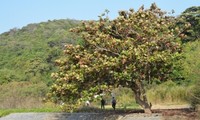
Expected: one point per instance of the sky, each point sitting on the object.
(19, 13)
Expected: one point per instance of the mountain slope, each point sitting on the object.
(28, 54)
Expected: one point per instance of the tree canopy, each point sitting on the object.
(131, 51)
(192, 16)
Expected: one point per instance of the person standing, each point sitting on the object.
(113, 102)
(103, 103)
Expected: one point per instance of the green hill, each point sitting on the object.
(28, 54)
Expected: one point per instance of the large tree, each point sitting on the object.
(130, 51)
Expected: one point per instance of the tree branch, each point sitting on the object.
(107, 50)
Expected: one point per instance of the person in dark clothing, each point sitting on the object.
(113, 102)
(103, 103)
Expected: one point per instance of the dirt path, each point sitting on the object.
(170, 106)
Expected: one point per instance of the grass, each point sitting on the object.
(168, 93)
(4, 112)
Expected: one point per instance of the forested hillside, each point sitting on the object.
(28, 54)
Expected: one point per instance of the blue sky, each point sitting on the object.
(19, 13)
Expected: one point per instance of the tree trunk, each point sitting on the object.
(141, 98)
(142, 101)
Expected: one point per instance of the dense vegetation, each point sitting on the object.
(28, 54)
(27, 58)
(191, 51)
